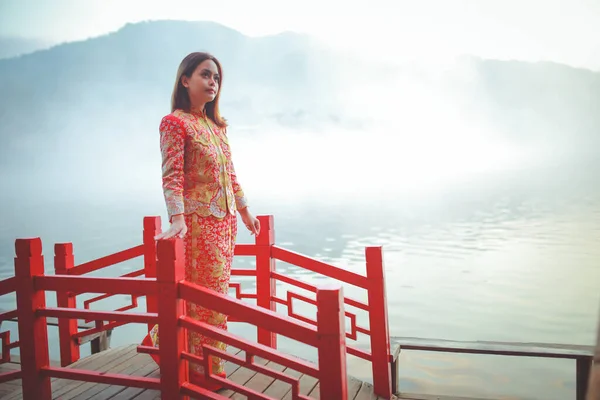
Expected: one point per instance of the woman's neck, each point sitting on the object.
(197, 109)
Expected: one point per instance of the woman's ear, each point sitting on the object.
(185, 81)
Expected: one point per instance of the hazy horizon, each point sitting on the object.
(434, 30)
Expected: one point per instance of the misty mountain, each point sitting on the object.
(16, 46)
(119, 84)
(90, 105)
(535, 103)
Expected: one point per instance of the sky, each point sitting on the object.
(565, 31)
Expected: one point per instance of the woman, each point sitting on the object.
(202, 193)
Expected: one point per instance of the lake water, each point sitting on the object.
(512, 256)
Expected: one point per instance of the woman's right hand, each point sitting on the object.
(177, 228)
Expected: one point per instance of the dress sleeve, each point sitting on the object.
(241, 201)
(172, 145)
(240, 198)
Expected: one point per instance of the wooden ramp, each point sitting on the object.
(126, 360)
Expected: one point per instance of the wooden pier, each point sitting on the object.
(126, 360)
(162, 277)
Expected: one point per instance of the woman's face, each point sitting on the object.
(203, 85)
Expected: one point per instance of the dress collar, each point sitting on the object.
(198, 112)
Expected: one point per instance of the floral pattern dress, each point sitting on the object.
(199, 181)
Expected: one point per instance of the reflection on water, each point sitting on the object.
(511, 260)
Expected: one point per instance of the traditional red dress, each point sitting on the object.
(199, 181)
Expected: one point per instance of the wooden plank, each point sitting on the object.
(241, 376)
(230, 367)
(278, 388)
(315, 393)
(10, 366)
(83, 363)
(126, 360)
(282, 390)
(7, 388)
(146, 394)
(366, 392)
(308, 384)
(260, 382)
(543, 350)
(354, 386)
(5, 391)
(136, 393)
(127, 367)
(14, 384)
(149, 394)
(73, 388)
(95, 358)
(112, 390)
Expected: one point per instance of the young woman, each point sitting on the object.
(202, 193)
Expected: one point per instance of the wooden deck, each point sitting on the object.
(126, 360)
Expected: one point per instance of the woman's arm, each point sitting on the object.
(241, 202)
(172, 146)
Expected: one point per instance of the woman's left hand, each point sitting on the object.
(251, 222)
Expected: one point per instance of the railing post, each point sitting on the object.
(33, 331)
(173, 338)
(593, 390)
(332, 345)
(583, 368)
(69, 348)
(152, 227)
(378, 322)
(5, 341)
(265, 283)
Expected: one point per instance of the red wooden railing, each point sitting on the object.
(266, 253)
(374, 282)
(69, 334)
(31, 285)
(8, 286)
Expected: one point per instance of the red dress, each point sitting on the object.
(199, 181)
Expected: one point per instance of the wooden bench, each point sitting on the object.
(583, 355)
